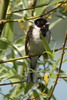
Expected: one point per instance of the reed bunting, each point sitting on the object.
(34, 45)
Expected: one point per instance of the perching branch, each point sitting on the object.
(59, 69)
(25, 57)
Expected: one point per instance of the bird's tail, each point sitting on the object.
(32, 76)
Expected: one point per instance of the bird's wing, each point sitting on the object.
(29, 34)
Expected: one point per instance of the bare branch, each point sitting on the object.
(59, 69)
(18, 82)
(62, 77)
(21, 10)
(34, 17)
(59, 5)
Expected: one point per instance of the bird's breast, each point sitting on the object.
(36, 44)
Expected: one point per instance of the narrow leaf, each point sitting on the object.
(54, 2)
(28, 87)
(36, 95)
(8, 31)
(47, 48)
(56, 22)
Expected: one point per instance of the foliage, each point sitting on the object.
(12, 46)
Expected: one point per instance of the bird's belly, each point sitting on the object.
(36, 47)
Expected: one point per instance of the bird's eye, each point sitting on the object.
(42, 22)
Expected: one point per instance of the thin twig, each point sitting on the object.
(18, 82)
(62, 77)
(60, 4)
(60, 49)
(34, 17)
(33, 7)
(27, 9)
(59, 69)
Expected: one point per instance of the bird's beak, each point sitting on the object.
(48, 23)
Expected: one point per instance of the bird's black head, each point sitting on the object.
(40, 22)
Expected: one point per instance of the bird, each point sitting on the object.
(35, 46)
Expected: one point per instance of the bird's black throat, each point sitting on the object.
(44, 31)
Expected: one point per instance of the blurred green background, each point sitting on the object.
(12, 42)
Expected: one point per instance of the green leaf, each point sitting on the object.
(25, 3)
(53, 70)
(53, 76)
(15, 78)
(65, 60)
(8, 31)
(15, 48)
(3, 44)
(4, 74)
(6, 71)
(36, 95)
(50, 90)
(62, 74)
(47, 48)
(17, 4)
(13, 92)
(14, 62)
(42, 86)
(56, 22)
(54, 2)
(53, 97)
(40, 10)
(20, 40)
(28, 87)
